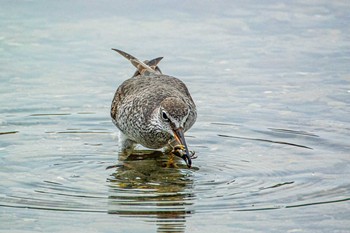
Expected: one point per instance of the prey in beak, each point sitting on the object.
(180, 138)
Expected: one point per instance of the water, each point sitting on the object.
(271, 82)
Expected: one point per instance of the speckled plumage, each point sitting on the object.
(140, 102)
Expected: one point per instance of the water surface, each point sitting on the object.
(272, 87)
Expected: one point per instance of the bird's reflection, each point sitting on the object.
(142, 186)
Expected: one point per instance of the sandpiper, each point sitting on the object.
(153, 109)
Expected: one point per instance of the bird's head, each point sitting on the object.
(173, 114)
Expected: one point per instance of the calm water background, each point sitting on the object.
(271, 80)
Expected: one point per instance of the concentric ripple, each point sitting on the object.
(266, 176)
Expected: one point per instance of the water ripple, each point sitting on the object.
(265, 140)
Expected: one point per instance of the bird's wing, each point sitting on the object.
(140, 66)
(153, 64)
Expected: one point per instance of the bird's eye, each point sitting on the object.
(165, 116)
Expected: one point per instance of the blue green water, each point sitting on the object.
(271, 81)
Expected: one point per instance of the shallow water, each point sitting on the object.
(272, 86)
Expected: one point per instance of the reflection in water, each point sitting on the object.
(142, 186)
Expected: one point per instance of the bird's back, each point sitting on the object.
(137, 97)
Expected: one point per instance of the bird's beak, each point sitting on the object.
(180, 138)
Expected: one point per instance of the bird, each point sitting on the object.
(153, 109)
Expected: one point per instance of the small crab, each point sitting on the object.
(180, 151)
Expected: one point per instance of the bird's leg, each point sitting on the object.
(127, 146)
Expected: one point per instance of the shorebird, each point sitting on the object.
(153, 109)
